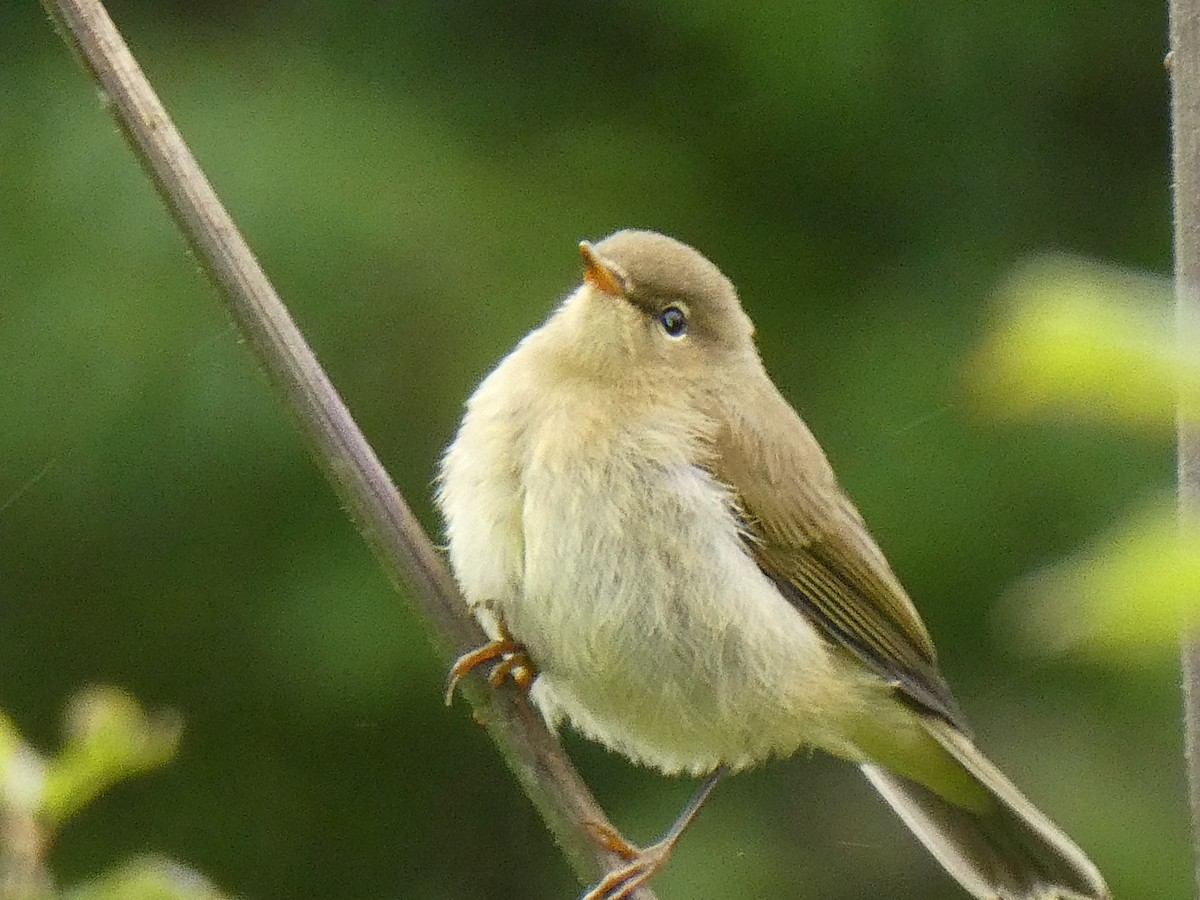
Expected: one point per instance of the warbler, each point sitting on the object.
(650, 534)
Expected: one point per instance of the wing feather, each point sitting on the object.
(806, 536)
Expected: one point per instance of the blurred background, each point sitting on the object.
(415, 177)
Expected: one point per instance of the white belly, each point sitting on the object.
(626, 579)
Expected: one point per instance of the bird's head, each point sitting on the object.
(653, 308)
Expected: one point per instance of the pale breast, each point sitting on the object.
(655, 632)
(584, 523)
(480, 494)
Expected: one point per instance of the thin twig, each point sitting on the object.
(1183, 63)
(533, 754)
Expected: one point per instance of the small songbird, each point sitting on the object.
(661, 553)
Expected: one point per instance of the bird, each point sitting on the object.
(662, 555)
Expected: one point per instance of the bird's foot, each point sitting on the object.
(513, 663)
(642, 864)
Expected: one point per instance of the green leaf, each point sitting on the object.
(109, 738)
(1086, 341)
(147, 878)
(1125, 599)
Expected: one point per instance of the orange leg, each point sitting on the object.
(513, 663)
(644, 864)
(610, 840)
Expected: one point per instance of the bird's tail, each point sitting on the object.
(1003, 848)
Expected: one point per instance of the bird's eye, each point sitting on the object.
(673, 321)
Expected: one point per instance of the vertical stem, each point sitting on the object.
(23, 872)
(1183, 63)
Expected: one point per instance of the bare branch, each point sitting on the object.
(1183, 62)
(533, 754)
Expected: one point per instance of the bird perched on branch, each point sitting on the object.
(659, 549)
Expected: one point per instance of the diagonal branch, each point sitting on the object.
(532, 753)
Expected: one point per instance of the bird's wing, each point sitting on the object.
(808, 538)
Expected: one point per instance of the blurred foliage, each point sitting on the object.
(1087, 342)
(108, 738)
(149, 878)
(1127, 596)
(414, 177)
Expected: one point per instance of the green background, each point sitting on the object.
(414, 177)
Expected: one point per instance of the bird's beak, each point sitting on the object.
(598, 274)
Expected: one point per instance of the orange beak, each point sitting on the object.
(597, 274)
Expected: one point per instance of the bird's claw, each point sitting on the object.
(513, 663)
(641, 866)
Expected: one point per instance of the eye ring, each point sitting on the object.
(673, 321)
